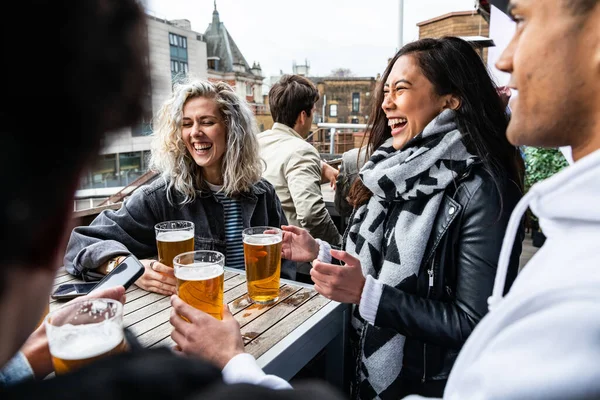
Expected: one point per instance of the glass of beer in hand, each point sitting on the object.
(173, 238)
(199, 277)
(262, 254)
(84, 331)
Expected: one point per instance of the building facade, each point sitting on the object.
(175, 50)
(344, 100)
(461, 23)
(227, 63)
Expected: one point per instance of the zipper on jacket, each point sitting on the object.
(430, 273)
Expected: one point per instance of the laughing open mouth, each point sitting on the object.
(202, 147)
(397, 123)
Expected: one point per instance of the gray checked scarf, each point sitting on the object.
(390, 232)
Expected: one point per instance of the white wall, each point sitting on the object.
(160, 75)
(502, 29)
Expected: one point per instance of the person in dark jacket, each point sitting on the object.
(99, 74)
(206, 150)
(430, 211)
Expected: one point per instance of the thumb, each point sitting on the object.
(350, 261)
(227, 316)
(293, 229)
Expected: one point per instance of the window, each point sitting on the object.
(177, 40)
(333, 110)
(355, 102)
(249, 90)
(179, 55)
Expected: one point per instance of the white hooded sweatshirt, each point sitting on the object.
(542, 340)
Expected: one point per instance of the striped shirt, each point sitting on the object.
(233, 228)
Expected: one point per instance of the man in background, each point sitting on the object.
(294, 166)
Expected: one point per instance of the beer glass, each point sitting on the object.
(262, 254)
(199, 277)
(173, 238)
(84, 331)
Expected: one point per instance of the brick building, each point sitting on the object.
(344, 100)
(461, 23)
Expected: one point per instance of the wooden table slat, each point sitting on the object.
(268, 339)
(253, 311)
(229, 275)
(263, 326)
(274, 314)
(61, 271)
(145, 300)
(233, 282)
(243, 301)
(156, 335)
(168, 342)
(64, 279)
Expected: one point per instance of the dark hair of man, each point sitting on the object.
(580, 7)
(291, 95)
(85, 76)
(453, 67)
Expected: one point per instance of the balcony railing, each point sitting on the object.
(341, 137)
(260, 109)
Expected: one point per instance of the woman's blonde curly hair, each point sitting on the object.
(241, 166)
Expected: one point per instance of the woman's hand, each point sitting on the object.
(298, 244)
(205, 336)
(343, 283)
(157, 278)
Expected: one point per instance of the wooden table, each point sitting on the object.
(283, 337)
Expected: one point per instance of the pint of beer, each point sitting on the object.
(200, 280)
(82, 332)
(262, 254)
(173, 238)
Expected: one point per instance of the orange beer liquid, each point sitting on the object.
(201, 286)
(170, 244)
(262, 254)
(80, 347)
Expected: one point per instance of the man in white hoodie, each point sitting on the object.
(542, 340)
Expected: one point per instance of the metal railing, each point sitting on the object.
(334, 130)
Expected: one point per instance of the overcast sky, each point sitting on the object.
(356, 34)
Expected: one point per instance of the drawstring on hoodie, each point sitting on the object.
(507, 245)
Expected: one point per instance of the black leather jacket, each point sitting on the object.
(456, 277)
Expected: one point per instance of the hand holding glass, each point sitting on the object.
(84, 331)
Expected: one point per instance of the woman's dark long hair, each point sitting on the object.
(454, 67)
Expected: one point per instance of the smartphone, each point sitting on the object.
(71, 290)
(124, 274)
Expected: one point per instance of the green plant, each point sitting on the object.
(541, 164)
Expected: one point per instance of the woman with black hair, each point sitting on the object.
(430, 211)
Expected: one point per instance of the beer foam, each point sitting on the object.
(262, 239)
(76, 342)
(199, 271)
(175, 236)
